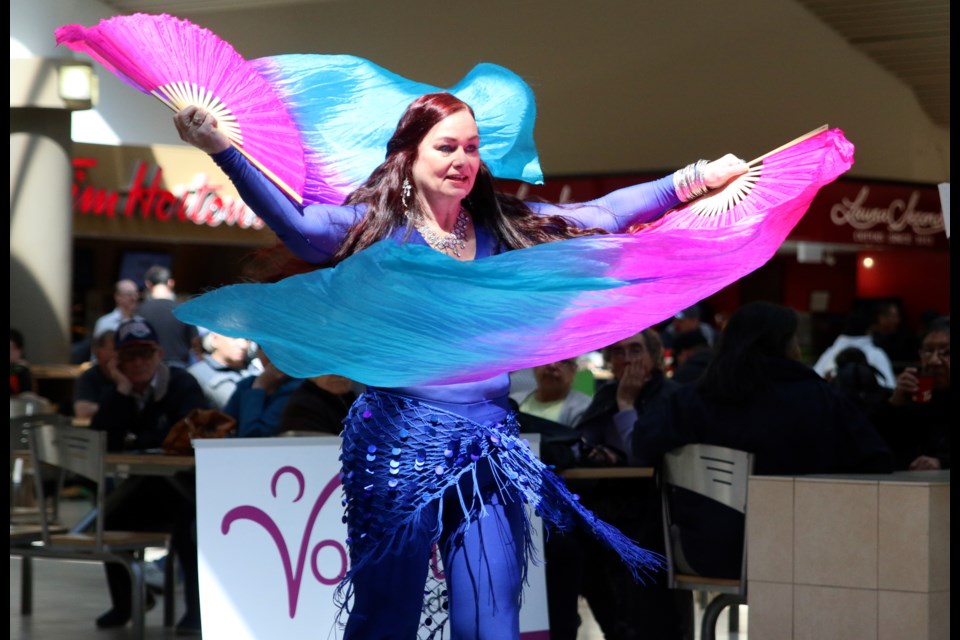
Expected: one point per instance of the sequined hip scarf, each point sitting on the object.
(400, 454)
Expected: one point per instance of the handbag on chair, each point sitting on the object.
(199, 423)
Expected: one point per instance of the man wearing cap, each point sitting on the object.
(150, 396)
(148, 400)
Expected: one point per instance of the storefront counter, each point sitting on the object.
(849, 556)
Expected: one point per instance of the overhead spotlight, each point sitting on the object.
(77, 85)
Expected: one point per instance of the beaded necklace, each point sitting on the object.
(449, 243)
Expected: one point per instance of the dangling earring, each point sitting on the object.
(404, 194)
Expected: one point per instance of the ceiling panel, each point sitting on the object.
(196, 6)
(909, 38)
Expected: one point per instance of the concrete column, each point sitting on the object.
(41, 229)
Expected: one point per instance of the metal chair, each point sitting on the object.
(719, 473)
(25, 519)
(24, 509)
(81, 451)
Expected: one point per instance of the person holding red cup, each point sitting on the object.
(915, 421)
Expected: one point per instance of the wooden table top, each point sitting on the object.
(583, 473)
(57, 371)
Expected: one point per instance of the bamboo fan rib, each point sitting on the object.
(178, 96)
(725, 199)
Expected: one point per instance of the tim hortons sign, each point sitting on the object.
(199, 203)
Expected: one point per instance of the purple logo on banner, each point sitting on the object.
(294, 573)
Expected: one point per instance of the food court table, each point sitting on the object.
(56, 381)
(606, 473)
(124, 466)
(134, 464)
(147, 464)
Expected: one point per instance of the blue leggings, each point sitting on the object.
(483, 567)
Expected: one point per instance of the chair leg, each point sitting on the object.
(26, 585)
(170, 588)
(733, 619)
(708, 627)
(138, 598)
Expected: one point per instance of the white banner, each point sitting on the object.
(271, 542)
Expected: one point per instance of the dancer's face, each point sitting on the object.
(448, 159)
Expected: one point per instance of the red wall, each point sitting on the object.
(921, 279)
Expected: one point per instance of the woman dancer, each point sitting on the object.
(442, 463)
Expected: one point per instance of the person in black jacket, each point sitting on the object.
(149, 398)
(757, 396)
(319, 404)
(578, 565)
(917, 422)
(691, 355)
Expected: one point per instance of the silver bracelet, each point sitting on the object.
(688, 183)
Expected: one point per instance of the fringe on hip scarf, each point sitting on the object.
(399, 454)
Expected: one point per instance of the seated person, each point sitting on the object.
(916, 426)
(859, 380)
(688, 319)
(225, 363)
(554, 397)
(96, 381)
(639, 382)
(21, 380)
(258, 401)
(148, 399)
(889, 334)
(522, 383)
(691, 355)
(318, 404)
(855, 335)
(756, 396)
(577, 564)
(550, 409)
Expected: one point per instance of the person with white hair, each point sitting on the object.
(227, 362)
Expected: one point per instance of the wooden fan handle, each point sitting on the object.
(270, 174)
(805, 136)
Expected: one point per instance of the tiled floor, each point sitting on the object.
(71, 618)
(68, 596)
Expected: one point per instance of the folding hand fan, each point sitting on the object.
(774, 180)
(182, 64)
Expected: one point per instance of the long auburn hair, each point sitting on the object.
(510, 220)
